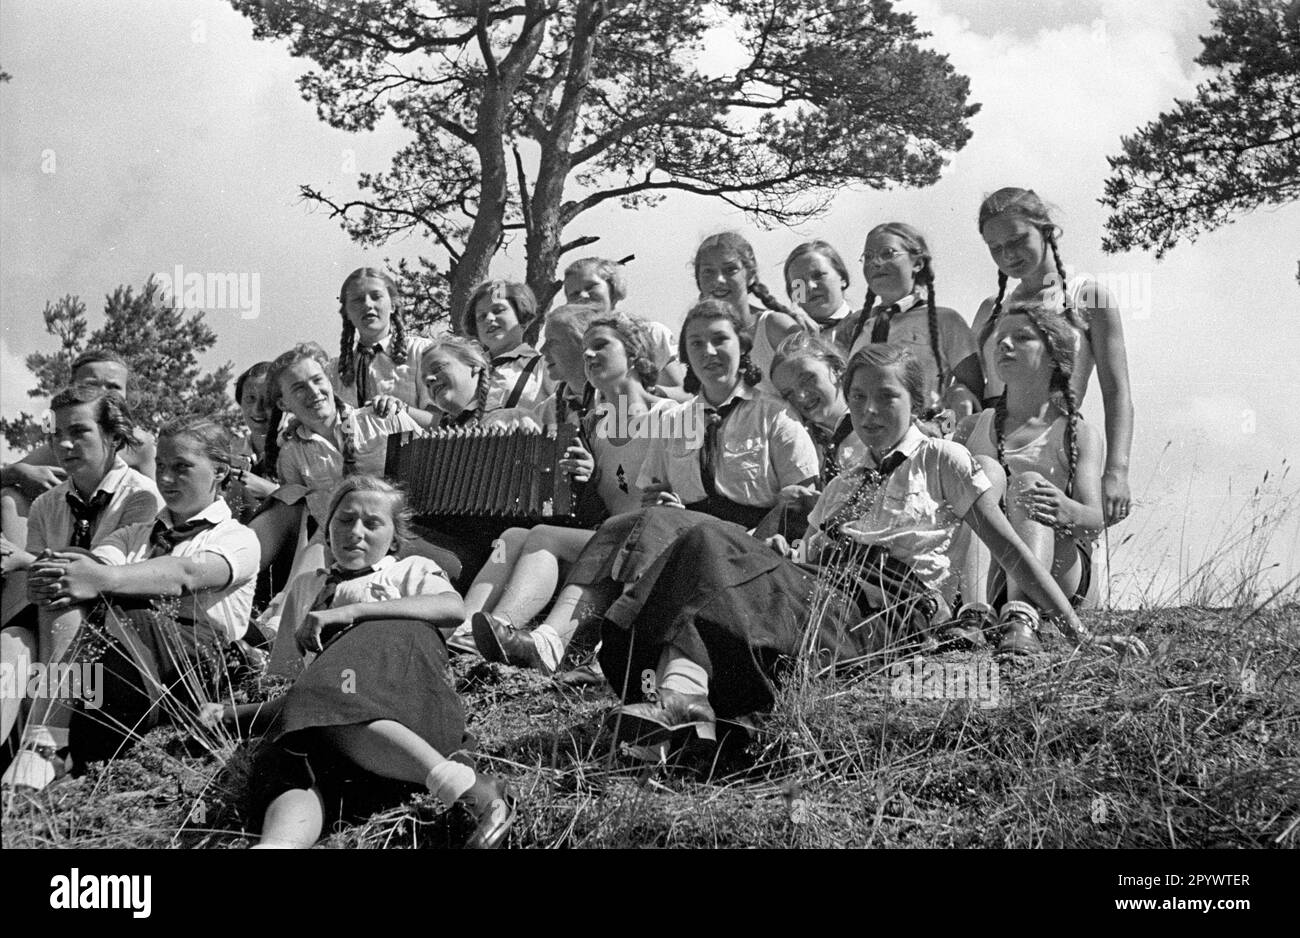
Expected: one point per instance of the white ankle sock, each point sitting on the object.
(449, 780)
(550, 647)
(681, 674)
(56, 737)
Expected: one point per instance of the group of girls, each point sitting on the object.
(861, 482)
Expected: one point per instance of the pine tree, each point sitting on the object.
(160, 343)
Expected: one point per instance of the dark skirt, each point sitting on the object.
(391, 669)
(151, 665)
(743, 613)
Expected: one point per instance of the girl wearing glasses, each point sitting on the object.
(898, 266)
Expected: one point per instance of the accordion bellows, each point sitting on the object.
(489, 473)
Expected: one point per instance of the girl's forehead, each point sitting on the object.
(705, 324)
(304, 368)
(799, 365)
(868, 377)
(601, 332)
(367, 285)
(368, 503)
(441, 359)
(181, 444)
(719, 257)
(74, 413)
(885, 239)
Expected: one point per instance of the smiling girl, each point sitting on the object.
(100, 495)
(378, 362)
(1022, 240)
(496, 314)
(726, 271)
(600, 282)
(196, 558)
(376, 705)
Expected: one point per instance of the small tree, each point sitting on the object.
(527, 114)
(1233, 148)
(160, 343)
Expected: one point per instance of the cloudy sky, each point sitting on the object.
(174, 138)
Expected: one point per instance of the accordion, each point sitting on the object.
(492, 474)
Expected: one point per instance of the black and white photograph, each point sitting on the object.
(617, 424)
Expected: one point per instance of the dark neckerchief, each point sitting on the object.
(714, 418)
(85, 514)
(365, 355)
(163, 539)
(862, 498)
(829, 444)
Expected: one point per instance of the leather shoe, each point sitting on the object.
(495, 819)
(1019, 624)
(499, 641)
(967, 629)
(673, 711)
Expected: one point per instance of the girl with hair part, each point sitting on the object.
(1052, 460)
(715, 619)
(815, 279)
(726, 270)
(897, 264)
(1022, 239)
(100, 495)
(194, 554)
(369, 617)
(617, 436)
(496, 314)
(457, 380)
(600, 281)
(808, 371)
(378, 362)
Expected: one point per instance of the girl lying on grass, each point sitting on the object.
(376, 704)
(703, 632)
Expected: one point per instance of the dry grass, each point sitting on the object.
(1199, 746)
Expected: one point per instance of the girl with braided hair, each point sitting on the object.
(1051, 457)
(898, 266)
(457, 380)
(497, 314)
(1022, 239)
(727, 270)
(378, 362)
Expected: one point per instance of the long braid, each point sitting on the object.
(1071, 313)
(997, 310)
(399, 339)
(1060, 349)
(862, 317)
(765, 296)
(346, 342)
(1071, 430)
(999, 434)
(481, 394)
(928, 273)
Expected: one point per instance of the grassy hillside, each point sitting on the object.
(1199, 746)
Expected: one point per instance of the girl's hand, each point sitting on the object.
(34, 480)
(308, 634)
(1047, 504)
(1122, 645)
(779, 544)
(660, 494)
(62, 579)
(514, 418)
(212, 715)
(804, 321)
(578, 463)
(1115, 496)
(798, 496)
(386, 405)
